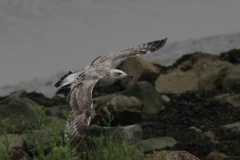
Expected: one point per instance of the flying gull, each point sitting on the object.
(96, 74)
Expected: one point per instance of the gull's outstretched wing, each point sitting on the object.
(109, 59)
(80, 99)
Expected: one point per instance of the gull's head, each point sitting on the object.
(118, 74)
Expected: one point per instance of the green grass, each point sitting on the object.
(49, 144)
(106, 148)
(4, 143)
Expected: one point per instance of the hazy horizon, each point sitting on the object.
(41, 38)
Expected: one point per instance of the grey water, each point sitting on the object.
(40, 38)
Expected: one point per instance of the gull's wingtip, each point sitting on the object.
(163, 42)
(66, 80)
(158, 44)
(57, 84)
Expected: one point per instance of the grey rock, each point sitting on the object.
(100, 102)
(129, 103)
(199, 71)
(210, 135)
(195, 129)
(139, 103)
(177, 82)
(126, 110)
(145, 92)
(233, 99)
(157, 143)
(58, 110)
(140, 69)
(15, 105)
(212, 76)
(16, 97)
(15, 141)
(232, 79)
(234, 127)
(164, 99)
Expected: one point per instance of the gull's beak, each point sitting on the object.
(130, 76)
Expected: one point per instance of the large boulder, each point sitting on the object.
(177, 82)
(151, 99)
(43, 100)
(139, 103)
(126, 110)
(140, 69)
(197, 71)
(15, 105)
(233, 99)
(16, 146)
(19, 98)
(15, 141)
(232, 79)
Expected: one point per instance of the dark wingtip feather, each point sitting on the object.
(155, 45)
(163, 42)
(58, 84)
(160, 43)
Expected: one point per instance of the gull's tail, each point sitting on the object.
(66, 80)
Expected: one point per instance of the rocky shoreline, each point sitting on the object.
(192, 106)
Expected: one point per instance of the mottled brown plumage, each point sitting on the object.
(97, 73)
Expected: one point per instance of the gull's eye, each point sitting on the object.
(118, 73)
